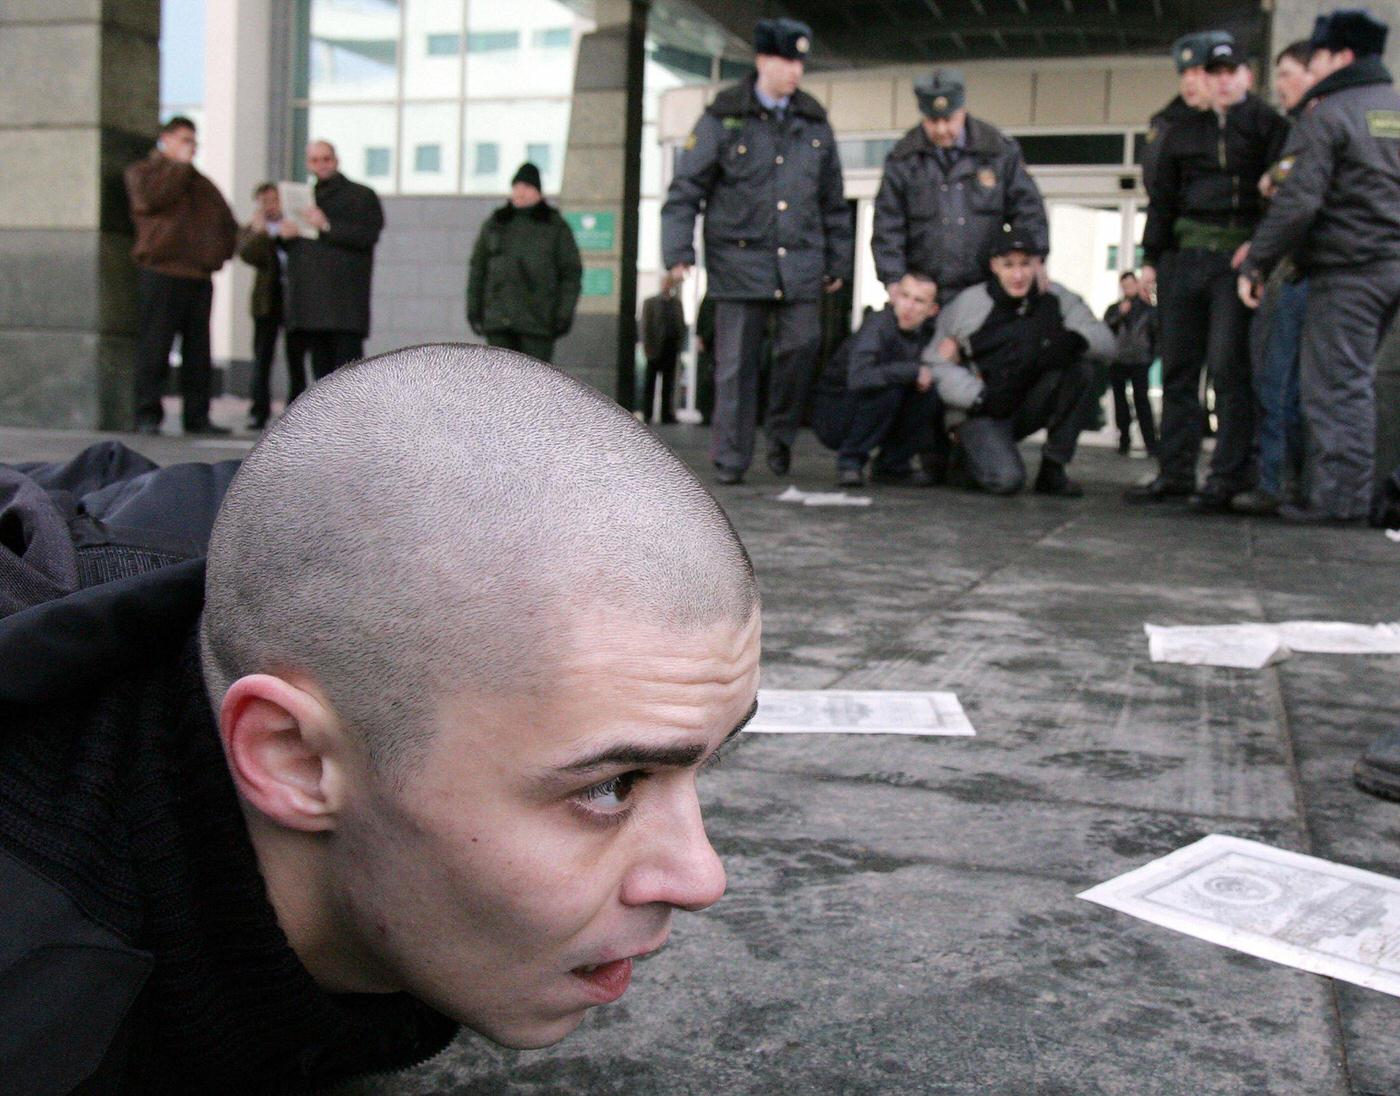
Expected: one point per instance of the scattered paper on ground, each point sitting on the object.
(1392, 534)
(840, 711)
(823, 498)
(1329, 638)
(1246, 646)
(1282, 906)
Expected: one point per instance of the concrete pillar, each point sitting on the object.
(81, 102)
(602, 187)
(234, 147)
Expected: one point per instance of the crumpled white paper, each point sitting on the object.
(1252, 646)
(823, 498)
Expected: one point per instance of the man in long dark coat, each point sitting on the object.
(328, 278)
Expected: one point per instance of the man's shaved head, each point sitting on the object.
(440, 520)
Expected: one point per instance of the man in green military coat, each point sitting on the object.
(523, 280)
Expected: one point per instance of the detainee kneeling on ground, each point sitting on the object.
(887, 401)
(1014, 360)
(409, 750)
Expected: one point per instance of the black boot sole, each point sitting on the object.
(1388, 788)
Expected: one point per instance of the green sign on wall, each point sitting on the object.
(597, 281)
(593, 231)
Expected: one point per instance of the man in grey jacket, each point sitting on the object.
(1338, 213)
(762, 162)
(1012, 360)
(949, 187)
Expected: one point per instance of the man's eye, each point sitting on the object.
(611, 793)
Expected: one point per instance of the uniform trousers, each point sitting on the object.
(1055, 403)
(171, 306)
(329, 350)
(740, 327)
(899, 419)
(540, 347)
(1204, 321)
(1349, 310)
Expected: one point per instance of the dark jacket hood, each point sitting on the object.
(1363, 72)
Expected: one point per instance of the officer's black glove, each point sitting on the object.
(1060, 350)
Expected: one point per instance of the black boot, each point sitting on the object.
(1052, 480)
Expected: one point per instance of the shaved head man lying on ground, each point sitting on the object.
(425, 755)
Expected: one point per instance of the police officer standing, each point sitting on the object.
(1338, 213)
(950, 186)
(1189, 55)
(1204, 206)
(762, 161)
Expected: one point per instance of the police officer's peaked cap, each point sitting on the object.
(1008, 241)
(783, 38)
(1224, 55)
(1191, 50)
(1350, 28)
(941, 93)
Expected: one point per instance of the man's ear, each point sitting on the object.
(286, 751)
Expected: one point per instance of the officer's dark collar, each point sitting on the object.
(539, 211)
(1363, 72)
(740, 99)
(979, 139)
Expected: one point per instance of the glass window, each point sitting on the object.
(355, 129)
(430, 157)
(444, 45)
(488, 158)
(517, 129)
(538, 154)
(492, 41)
(552, 38)
(1073, 148)
(378, 162)
(433, 69)
(427, 158)
(734, 70)
(864, 152)
(354, 49)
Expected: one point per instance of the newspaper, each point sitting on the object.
(1392, 534)
(1246, 646)
(296, 199)
(840, 711)
(1251, 646)
(823, 498)
(1277, 905)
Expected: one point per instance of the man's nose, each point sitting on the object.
(675, 864)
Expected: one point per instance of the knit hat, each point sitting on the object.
(528, 174)
(1350, 28)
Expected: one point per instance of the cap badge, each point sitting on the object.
(941, 103)
(1187, 54)
(802, 45)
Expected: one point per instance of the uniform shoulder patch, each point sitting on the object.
(733, 123)
(1384, 123)
(1153, 134)
(987, 177)
(691, 141)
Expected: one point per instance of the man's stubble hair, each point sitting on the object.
(435, 520)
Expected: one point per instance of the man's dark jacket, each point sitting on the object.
(328, 278)
(1157, 128)
(882, 355)
(1339, 204)
(944, 223)
(663, 326)
(138, 950)
(1209, 172)
(525, 273)
(1135, 335)
(776, 219)
(259, 250)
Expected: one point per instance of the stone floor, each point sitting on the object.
(901, 913)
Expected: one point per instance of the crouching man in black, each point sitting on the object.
(876, 393)
(1013, 360)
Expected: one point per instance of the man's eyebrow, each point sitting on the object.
(660, 757)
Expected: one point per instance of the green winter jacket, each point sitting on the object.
(524, 273)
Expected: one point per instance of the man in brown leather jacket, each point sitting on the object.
(184, 232)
